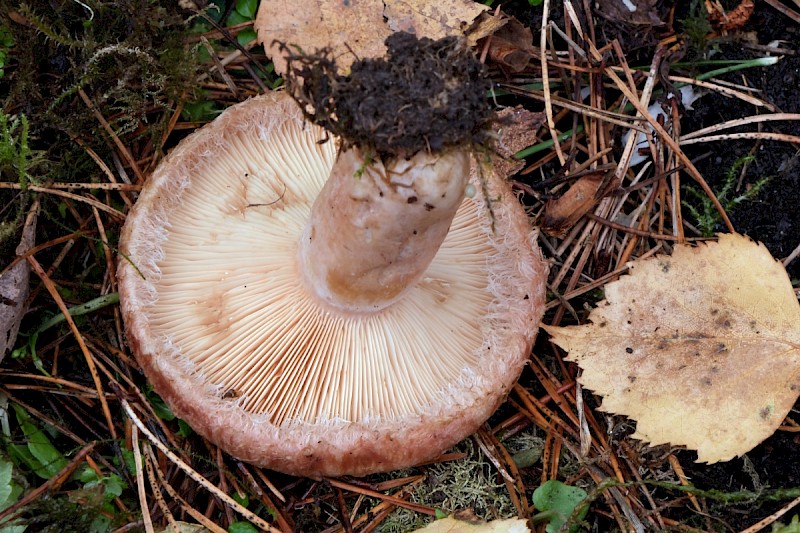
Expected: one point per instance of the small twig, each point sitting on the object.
(137, 459)
(44, 418)
(418, 508)
(726, 91)
(264, 479)
(667, 139)
(110, 265)
(51, 288)
(754, 119)
(85, 199)
(191, 511)
(341, 507)
(752, 135)
(104, 167)
(548, 106)
(792, 256)
(283, 522)
(762, 524)
(249, 515)
(220, 68)
(676, 466)
(618, 119)
(106, 126)
(39, 248)
(628, 229)
(156, 490)
(785, 10)
(98, 186)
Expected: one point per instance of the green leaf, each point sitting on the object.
(246, 35)
(557, 502)
(100, 524)
(241, 499)
(87, 475)
(200, 111)
(793, 527)
(247, 8)
(5, 483)
(114, 486)
(242, 527)
(52, 461)
(22, 456)
(6, 38)
(160, 407)
(130, 461)
(184, 429)
(235, 18)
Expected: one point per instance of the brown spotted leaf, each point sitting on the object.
(355, 29)
(701, 349)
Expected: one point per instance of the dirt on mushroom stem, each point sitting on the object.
(406, 125)
(425, 95)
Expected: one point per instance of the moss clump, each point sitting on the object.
(426, 95)
(130, 57)
(133, 60)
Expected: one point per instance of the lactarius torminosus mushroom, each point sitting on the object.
(301, 303)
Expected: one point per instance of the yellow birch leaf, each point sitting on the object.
(701, 349)
(355, 29)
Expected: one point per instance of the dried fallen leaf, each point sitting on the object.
(452, 524)
(14, 287)
(734, 19)
(563, 212)
(485, 25)
(701, 349)
(512, 46)
(355, 29)
(516, 129)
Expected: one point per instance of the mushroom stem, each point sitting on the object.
(376, 226)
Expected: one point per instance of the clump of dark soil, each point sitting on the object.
(772, 216)
(425, 95)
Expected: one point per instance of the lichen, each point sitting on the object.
(468, 483)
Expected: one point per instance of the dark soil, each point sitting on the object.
(773, 218)
(370, 107)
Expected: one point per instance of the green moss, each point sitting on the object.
(701, 209)
(131, 57)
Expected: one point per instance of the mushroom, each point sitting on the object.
(309, 311)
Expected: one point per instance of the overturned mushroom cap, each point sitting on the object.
(220, 320)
